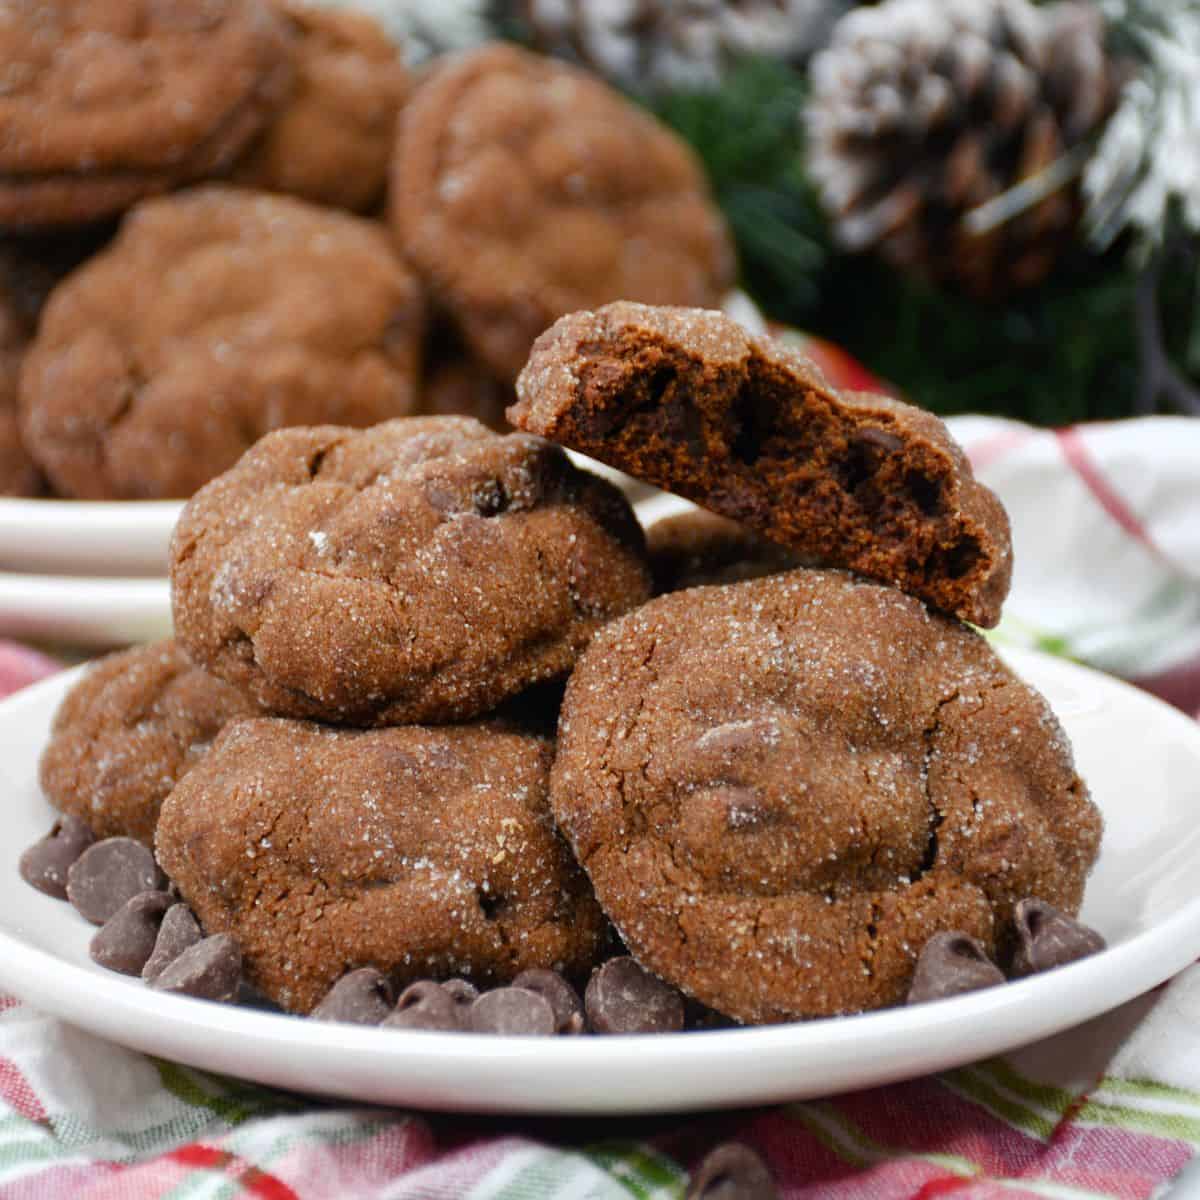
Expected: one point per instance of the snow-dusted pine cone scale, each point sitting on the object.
(923, 111)
(655, 44)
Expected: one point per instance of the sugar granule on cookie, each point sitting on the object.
(523, 189)
(424, 570)
(415, 850)
(689, 401)
(782, 788)
(215, 316)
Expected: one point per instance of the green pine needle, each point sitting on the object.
(1060, 353)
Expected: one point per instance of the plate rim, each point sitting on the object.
(984, 1022)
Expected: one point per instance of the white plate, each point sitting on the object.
(1141, 758)
(82, 611)
(84, 537)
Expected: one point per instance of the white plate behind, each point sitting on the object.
(78, 611)
(84, 537)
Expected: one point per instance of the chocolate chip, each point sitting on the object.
(513, 1012)
(361, 997)
(881, 438)
(178, 932)
(732, 1172)
(463, 994)
(44, 865)
(623, 998)
(209, 970)
(426, 1005)
(563, 999)
(108, 873)
(126, 940)
(1048, 938)
(489, 498)
(952, 963)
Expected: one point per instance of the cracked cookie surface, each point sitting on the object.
(423, 570)
(689, 401)
(782, 788)
(215, 316)
(523, 189)
(106, 102)
(418, 851)
(124, 735)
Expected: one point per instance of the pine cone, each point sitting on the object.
(924, 110)
(656, 44)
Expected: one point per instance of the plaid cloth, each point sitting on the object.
(1109, 1109)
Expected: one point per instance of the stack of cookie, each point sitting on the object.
(344, 762)
(351, 244)
(778, 782)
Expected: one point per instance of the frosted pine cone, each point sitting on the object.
(657, 44)
(924, 111)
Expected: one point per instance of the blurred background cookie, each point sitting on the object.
(113, 100)
(331, 142)
(215, 316)
(523, 189)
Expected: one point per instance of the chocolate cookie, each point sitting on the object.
(782, 788)
(423, 570)
(215, 316)
(691, 402)
(331, 143)
(523, 189)
(127, 732)
(18, 474)
(110, 101)
(418, 851)
(695, 548)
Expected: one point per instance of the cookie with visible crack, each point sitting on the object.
(423, 570)
(110, 101)
(782, 788)
(689, 401)
(216, 315)
(418, 851)
(523, 188)
(124, 735)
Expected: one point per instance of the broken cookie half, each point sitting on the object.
(687, 400)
